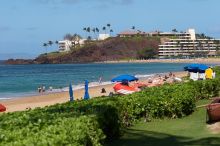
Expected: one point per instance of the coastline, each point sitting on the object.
(42, 100)
(196, 60)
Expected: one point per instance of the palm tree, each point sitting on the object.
(89, 38)
(57, 43)
(45, 45)
(68, 36)
(77, 38)
(111, 31)
(97, 30)
(50, 43)
(174, 30)
(85, 29)
(94, 30)
(104, 29)
(88, 29)
(109, 27)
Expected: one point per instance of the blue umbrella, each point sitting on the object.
(196, 67)
(71, 92)
(86, 95)
(124, 78)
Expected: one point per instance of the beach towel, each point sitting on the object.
(2, 108)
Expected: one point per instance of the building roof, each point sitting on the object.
(131, 32)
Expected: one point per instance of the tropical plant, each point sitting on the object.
(104, 29)
(111, 31)
(89, 122)
(45, 45)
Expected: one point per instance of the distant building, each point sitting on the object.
(186, 44)
(103, 36)
(132, 33)
(65, 45)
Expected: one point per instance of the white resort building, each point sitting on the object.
(187, 44)
(65, 45)
(103, 36)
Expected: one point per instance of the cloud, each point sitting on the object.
(115, 2)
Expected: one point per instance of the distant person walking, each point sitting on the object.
(208, 73)
(43, 88)
(100, 80)
(39, 89)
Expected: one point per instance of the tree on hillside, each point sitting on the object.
(97, 31)
(85, 29)
(77, 38)
(111, 31)
(174, 30)
(94, 31)
(89, 38)
(109, 27)
(104, 29)
(68, 36)
(45, 45)
(147, 53)
(88, 29)
(57, 43)
(50, 43)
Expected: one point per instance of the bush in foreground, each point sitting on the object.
(90, 122)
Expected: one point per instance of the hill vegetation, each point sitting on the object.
(112, 49)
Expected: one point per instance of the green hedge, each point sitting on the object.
(93, 121)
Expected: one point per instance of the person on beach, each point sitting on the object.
(43, 88)
(100, 80)
(39, 89)
(213, 74)
(209, 73)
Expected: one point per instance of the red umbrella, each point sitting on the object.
(2, 108)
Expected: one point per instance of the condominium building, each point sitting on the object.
(65, 45)
(187, 44)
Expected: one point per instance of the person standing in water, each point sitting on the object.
(100, 79)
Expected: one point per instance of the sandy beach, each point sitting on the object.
(42, 100)
(196, 60)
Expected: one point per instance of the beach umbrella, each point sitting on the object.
(2, 108)
(124, 78)
(71, 92)
(196, 67)
(86, 95)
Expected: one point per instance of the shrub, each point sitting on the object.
(89, 122)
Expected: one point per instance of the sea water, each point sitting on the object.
(23, 80)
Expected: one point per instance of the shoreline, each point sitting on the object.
(42, 100)
(196, 60)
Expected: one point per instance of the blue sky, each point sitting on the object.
(26, 24)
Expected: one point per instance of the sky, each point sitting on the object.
(26, 24)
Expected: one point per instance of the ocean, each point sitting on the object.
(23, 80)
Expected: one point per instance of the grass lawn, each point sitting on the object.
(188, 131)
